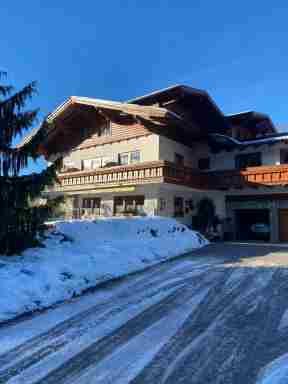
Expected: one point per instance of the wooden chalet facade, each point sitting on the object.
(159, 154)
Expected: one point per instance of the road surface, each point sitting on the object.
(218, 315)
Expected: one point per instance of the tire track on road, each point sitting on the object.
(93, 354)
(214, 305)
(43, 351)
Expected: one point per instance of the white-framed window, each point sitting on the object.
(132, 157)
(135, 157)
(124, 158)
(96, 163)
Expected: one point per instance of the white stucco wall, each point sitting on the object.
(170, 191)
(168, 148)
(226, 160)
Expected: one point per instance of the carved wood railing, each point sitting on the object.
(163, 171)
(254, 177)
(110, 177)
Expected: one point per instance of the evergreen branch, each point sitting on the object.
(5, 90)
(12, 161)
(19, 221)
(18, 191)
(17, 101)
(15, 125)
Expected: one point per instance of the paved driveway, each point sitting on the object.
(218, 315)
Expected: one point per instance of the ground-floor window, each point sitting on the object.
(129, 204)
(91, 206)
(178, 207)
(162, 204)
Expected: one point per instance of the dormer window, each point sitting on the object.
(248, 160)
(283, 156)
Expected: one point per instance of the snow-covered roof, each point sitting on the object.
(225, 141)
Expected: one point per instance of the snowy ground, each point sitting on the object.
(81, 254)
(193, 320)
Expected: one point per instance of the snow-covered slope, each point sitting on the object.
(81, 254)
(276, 372)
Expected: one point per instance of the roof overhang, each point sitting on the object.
(150, 112)
(197, 104)
(218, 142)
(249, 118)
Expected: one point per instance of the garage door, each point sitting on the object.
(252, 224)
(283, 225)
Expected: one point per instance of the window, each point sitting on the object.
(248, 160)
(129, 204)
(124, 158)
(283, 156)
(96, 163)
(162, 204)
(86, 132)
(135, 157)
(179, 160)
(178, 207)
(204, 163)
(86, 164)
(91, 206)
(105, 128)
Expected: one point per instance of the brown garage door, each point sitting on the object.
(283, 225)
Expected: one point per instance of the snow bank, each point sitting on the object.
(276, 372)
(81, 254)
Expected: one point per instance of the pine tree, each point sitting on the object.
(20, 220)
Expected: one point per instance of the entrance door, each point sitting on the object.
(283, 225)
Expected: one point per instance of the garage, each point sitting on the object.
(283, 225)
(253, 224)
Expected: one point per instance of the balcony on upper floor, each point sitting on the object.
(167, 172)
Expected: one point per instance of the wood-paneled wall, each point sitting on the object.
(118, 132)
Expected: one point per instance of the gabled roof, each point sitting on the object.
(178, 91)
(196, 115)
(180, 112)
(158, 95)
(249, 119)
(196, 104)
(151, 111)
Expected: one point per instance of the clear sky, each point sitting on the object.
(120, 49)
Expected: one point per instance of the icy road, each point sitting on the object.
(218, 315)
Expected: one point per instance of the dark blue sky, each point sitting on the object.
(121, 49)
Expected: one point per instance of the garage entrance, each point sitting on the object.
(283, 225)
(253, 224)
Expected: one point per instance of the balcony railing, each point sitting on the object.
(110, 177)
(163, 171)
(253, 177)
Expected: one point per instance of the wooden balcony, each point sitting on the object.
(254, 177)
(163, 171)
(117, 176)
